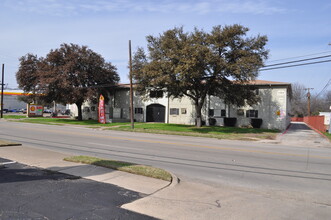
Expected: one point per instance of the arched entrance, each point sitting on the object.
(155, 113)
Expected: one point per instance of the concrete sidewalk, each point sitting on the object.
(51, 160)
(185, 200)
(299, 134)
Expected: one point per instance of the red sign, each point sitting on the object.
(102, 115)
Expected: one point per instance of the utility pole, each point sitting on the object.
(2, 85)
(308, 97)
(330, 111)
(131, 89)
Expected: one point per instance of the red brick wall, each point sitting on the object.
(297, 119)
(316, 122)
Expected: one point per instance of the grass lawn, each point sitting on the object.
(14, 116)
(205, 131)
(161, 128)
(57, 121)
(328, 135)
(123, 166)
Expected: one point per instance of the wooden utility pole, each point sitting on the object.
(308, 103)
(131, 89)
(2, 85)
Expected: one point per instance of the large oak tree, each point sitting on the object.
(69, 74)
(198, 64)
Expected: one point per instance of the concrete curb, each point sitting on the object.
(10, 145)
(174, 181)
(50, 160)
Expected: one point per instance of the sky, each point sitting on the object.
(295, 28)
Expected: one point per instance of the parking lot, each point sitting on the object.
(31, 193)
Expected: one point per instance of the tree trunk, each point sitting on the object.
(80, 115)
(198, 108)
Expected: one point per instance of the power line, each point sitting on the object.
(302, 64)
(289, 58)
(296, 61)
(325, 87)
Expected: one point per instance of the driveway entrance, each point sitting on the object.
(155, 113)
(299, 134)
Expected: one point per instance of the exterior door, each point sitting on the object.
(155, 113)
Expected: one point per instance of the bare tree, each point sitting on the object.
(299, 100)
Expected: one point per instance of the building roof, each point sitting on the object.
(13, 92)
(265, 82)
(253, 82)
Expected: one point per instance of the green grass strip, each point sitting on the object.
(14, 116)
(123, 166)
(328, 135)
(232, 133)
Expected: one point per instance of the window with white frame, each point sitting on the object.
(252, 113)
(174, 111)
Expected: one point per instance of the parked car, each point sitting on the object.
(5, 110)
(66, 112)
(47, 111)
(13, 110)
(24, 111)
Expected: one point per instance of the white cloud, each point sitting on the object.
(76, 7)
(250, 7)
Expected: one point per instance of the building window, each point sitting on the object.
(174, 111)
(217, 112)
(251, 113)
(223, 113)
(211, 112)
(183, 111)
(156, 94)
(138, 110)
(240, 112)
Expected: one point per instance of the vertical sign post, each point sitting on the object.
(102, 118)
(131, 89)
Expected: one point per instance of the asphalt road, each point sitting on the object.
(30, 193)
(299, 169)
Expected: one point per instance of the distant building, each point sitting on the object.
(273, 108)
(11, 101)
(326, 118)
